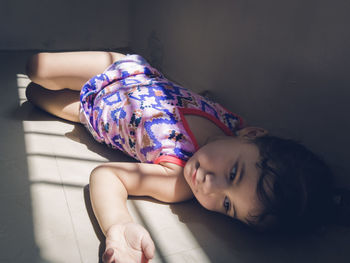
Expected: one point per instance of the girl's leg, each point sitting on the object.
(68, 70)
(61, 76)
(61, 103)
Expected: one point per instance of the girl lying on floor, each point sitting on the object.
(188, 146)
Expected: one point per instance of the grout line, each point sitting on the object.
(69, 211)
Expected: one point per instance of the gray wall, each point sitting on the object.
(282, 65)
(63, 24)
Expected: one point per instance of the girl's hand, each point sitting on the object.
(126, 243)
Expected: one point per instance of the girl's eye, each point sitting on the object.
(233, 173)
(227, 204)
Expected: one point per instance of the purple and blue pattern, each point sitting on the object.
(134, 108)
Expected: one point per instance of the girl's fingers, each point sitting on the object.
(147, 246)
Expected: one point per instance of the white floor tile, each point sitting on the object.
(53, 229)
(86, 238)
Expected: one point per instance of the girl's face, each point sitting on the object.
(223, 176)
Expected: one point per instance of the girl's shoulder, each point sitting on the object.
(202, 128)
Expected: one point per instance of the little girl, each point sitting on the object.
(187, 145)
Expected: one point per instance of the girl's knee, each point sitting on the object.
(36, 67)
(32, 66)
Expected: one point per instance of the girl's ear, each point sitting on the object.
(251, 133)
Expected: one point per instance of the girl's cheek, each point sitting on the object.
(207, 203)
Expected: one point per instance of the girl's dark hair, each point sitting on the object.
(295, 186)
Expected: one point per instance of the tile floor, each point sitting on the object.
(45, 213)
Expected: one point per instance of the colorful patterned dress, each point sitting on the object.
(134, 108)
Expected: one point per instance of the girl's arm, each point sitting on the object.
(110, 185)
